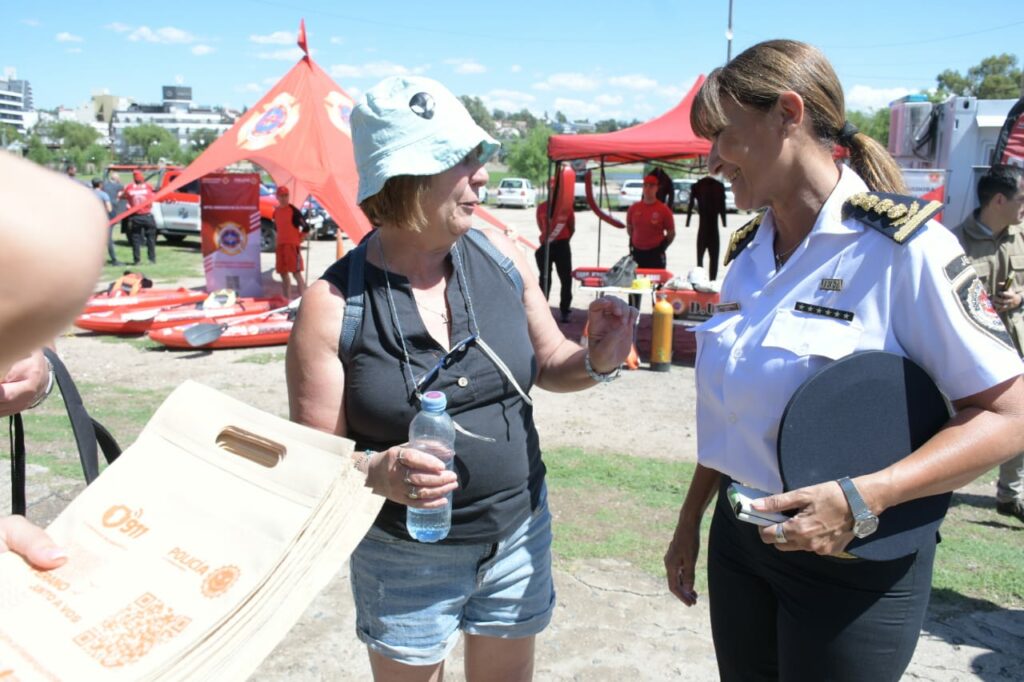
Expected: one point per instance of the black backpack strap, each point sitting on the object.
(17, 431)
(354, 295)
(506, 264)
(82, 425)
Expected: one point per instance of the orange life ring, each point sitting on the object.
(563, 189)
(614, 222)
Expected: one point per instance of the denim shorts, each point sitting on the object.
(413, 598)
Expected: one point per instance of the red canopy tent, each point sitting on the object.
(668, 136)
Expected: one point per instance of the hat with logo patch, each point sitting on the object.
(410, 125)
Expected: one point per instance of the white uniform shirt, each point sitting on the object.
(750, 361)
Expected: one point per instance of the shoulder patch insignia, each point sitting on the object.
(741, 237)
(895, 215)
(977, 306)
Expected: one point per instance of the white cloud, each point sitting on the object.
(65, 37)
(633, 81)
(867, 98)
(200, 50)
(275, 38)
(337, 40)
(354, 92)
(118, 27)
(609, 100)
(166, 35)
(31, 22)
(373, 70)
(10, 72)
(270, 80)
(466, 65)
(509, 100)
(515, 68)
(249, 87)
(290, 54)
(576, 108)
(73, 50)
(567, 81)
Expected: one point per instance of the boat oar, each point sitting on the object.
(205, 333)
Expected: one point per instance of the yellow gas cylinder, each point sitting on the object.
(661, 335)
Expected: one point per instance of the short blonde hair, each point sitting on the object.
(399, 202)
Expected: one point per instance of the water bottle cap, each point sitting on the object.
(434, 401)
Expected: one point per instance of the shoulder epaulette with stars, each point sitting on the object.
(895, 215)
(741, 237)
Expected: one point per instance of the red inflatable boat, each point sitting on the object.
(138, 320)
(243, 331)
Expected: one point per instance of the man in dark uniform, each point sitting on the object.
(709, 194)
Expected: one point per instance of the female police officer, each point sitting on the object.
(783, 606)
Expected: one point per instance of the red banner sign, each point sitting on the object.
(231, 232)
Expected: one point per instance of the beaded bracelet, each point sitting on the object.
(361, 460)
(597, 376)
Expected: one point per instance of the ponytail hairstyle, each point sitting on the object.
(756, 78)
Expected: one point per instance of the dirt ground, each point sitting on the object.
(612, 620)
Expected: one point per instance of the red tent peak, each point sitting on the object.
(301, 40)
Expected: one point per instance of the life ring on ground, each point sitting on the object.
(614, 222)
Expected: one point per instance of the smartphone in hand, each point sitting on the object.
(740, 497)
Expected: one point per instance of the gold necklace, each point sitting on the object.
(780, 258)
(442, 314)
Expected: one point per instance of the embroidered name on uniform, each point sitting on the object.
(813, 309)
(831, 285)
(729, 307)
(956, 266)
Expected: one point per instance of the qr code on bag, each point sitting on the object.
(132, 632)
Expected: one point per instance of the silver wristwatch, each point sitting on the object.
(864, 522)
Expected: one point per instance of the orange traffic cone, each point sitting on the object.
(632, 360)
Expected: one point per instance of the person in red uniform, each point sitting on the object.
(290, 226)
(709, 194)
(555, 249)
(141, 226)
(650, 227)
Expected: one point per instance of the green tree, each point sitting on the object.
(479, 112)
(608, 125)
(996, 77)
(72, 135)
(528, 158)
(873, 124)
(560, 117)
(9, 134)
(150, 143)
(39, 152)
(202, 138)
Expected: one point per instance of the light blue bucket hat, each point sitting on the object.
(410, 125)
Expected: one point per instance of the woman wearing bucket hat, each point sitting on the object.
(440, 306)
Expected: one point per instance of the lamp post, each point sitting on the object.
(728, 36)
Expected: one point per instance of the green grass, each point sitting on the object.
(142, 342)
(262, 358)
(49, 441)
(622, 507)
(174, 262)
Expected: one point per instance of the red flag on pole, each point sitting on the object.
(302, 36)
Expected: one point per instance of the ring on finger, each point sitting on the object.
(412, 494)
(780, 534)
(407, 479)
(400, 458)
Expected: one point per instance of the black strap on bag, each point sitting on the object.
(87, 431)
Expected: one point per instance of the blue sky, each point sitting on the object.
(591, 60)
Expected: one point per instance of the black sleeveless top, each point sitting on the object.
(499, 482)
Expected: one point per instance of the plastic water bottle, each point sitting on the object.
(431, 431)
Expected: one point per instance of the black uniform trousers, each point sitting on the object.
(707, 240)
(142, 228)
(797, 616)
(561, 257)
